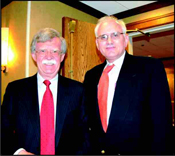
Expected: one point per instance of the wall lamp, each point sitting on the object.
(137, 30)
(4, 48)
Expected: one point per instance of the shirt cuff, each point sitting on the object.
(19, 150)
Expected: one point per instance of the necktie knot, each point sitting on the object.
(47, 82)
(108, 68)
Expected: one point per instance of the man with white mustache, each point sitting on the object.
(49, 62)
(22, 105)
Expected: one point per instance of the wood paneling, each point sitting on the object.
(152, 22)
(82, 53)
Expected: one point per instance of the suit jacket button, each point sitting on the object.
(102, 151)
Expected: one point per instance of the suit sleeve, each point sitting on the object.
(7, 125)
(161, 111)
(85, 146)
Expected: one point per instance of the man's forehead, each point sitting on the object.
(109, 24)
(52, 42)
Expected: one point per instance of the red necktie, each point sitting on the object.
(47, 123)
(103, 95)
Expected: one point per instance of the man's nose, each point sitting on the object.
(49, 54)
(109, 40)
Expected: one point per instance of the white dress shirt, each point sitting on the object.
(113, 77)
(41, 91)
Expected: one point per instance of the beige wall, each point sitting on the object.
(43, 14)
(14, 17)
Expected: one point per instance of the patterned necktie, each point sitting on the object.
(47, 123)
(103, 95)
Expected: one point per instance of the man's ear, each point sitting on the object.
(126, 40)
(97, 44)
(62, 57)
(34, 56)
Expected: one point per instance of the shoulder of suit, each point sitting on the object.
(143, 59)
(69, 81)
(98, 67)
(23, 81)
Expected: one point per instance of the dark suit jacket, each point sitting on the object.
(140, 119)
(21, 122)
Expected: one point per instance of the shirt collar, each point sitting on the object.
(118, 62)
(41, 79)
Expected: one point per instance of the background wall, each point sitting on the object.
(150, 14)
(42, 14)
(45, 14)
(14, 17)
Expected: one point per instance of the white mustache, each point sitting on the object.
(49, 62)
(110, 46)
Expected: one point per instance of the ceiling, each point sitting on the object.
(115, 7)
(159, 45)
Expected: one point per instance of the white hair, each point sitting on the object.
(106, 18)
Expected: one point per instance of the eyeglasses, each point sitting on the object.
(114, 36)
(43, 52)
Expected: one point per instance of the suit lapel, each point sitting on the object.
(62, 105)
(97, 76)
(123, 93)
(32, 108)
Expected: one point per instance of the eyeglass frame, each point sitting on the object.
(43, 52)
(112, 37)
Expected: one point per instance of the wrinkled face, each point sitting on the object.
(48, 57)
(114, 46)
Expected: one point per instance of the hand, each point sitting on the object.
(24, 152)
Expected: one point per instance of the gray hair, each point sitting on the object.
(47, 34)
(106, 18)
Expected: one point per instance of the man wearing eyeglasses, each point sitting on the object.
(128, 98)
(45, 114)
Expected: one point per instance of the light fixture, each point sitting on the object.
(137, 30)
(4, 48)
